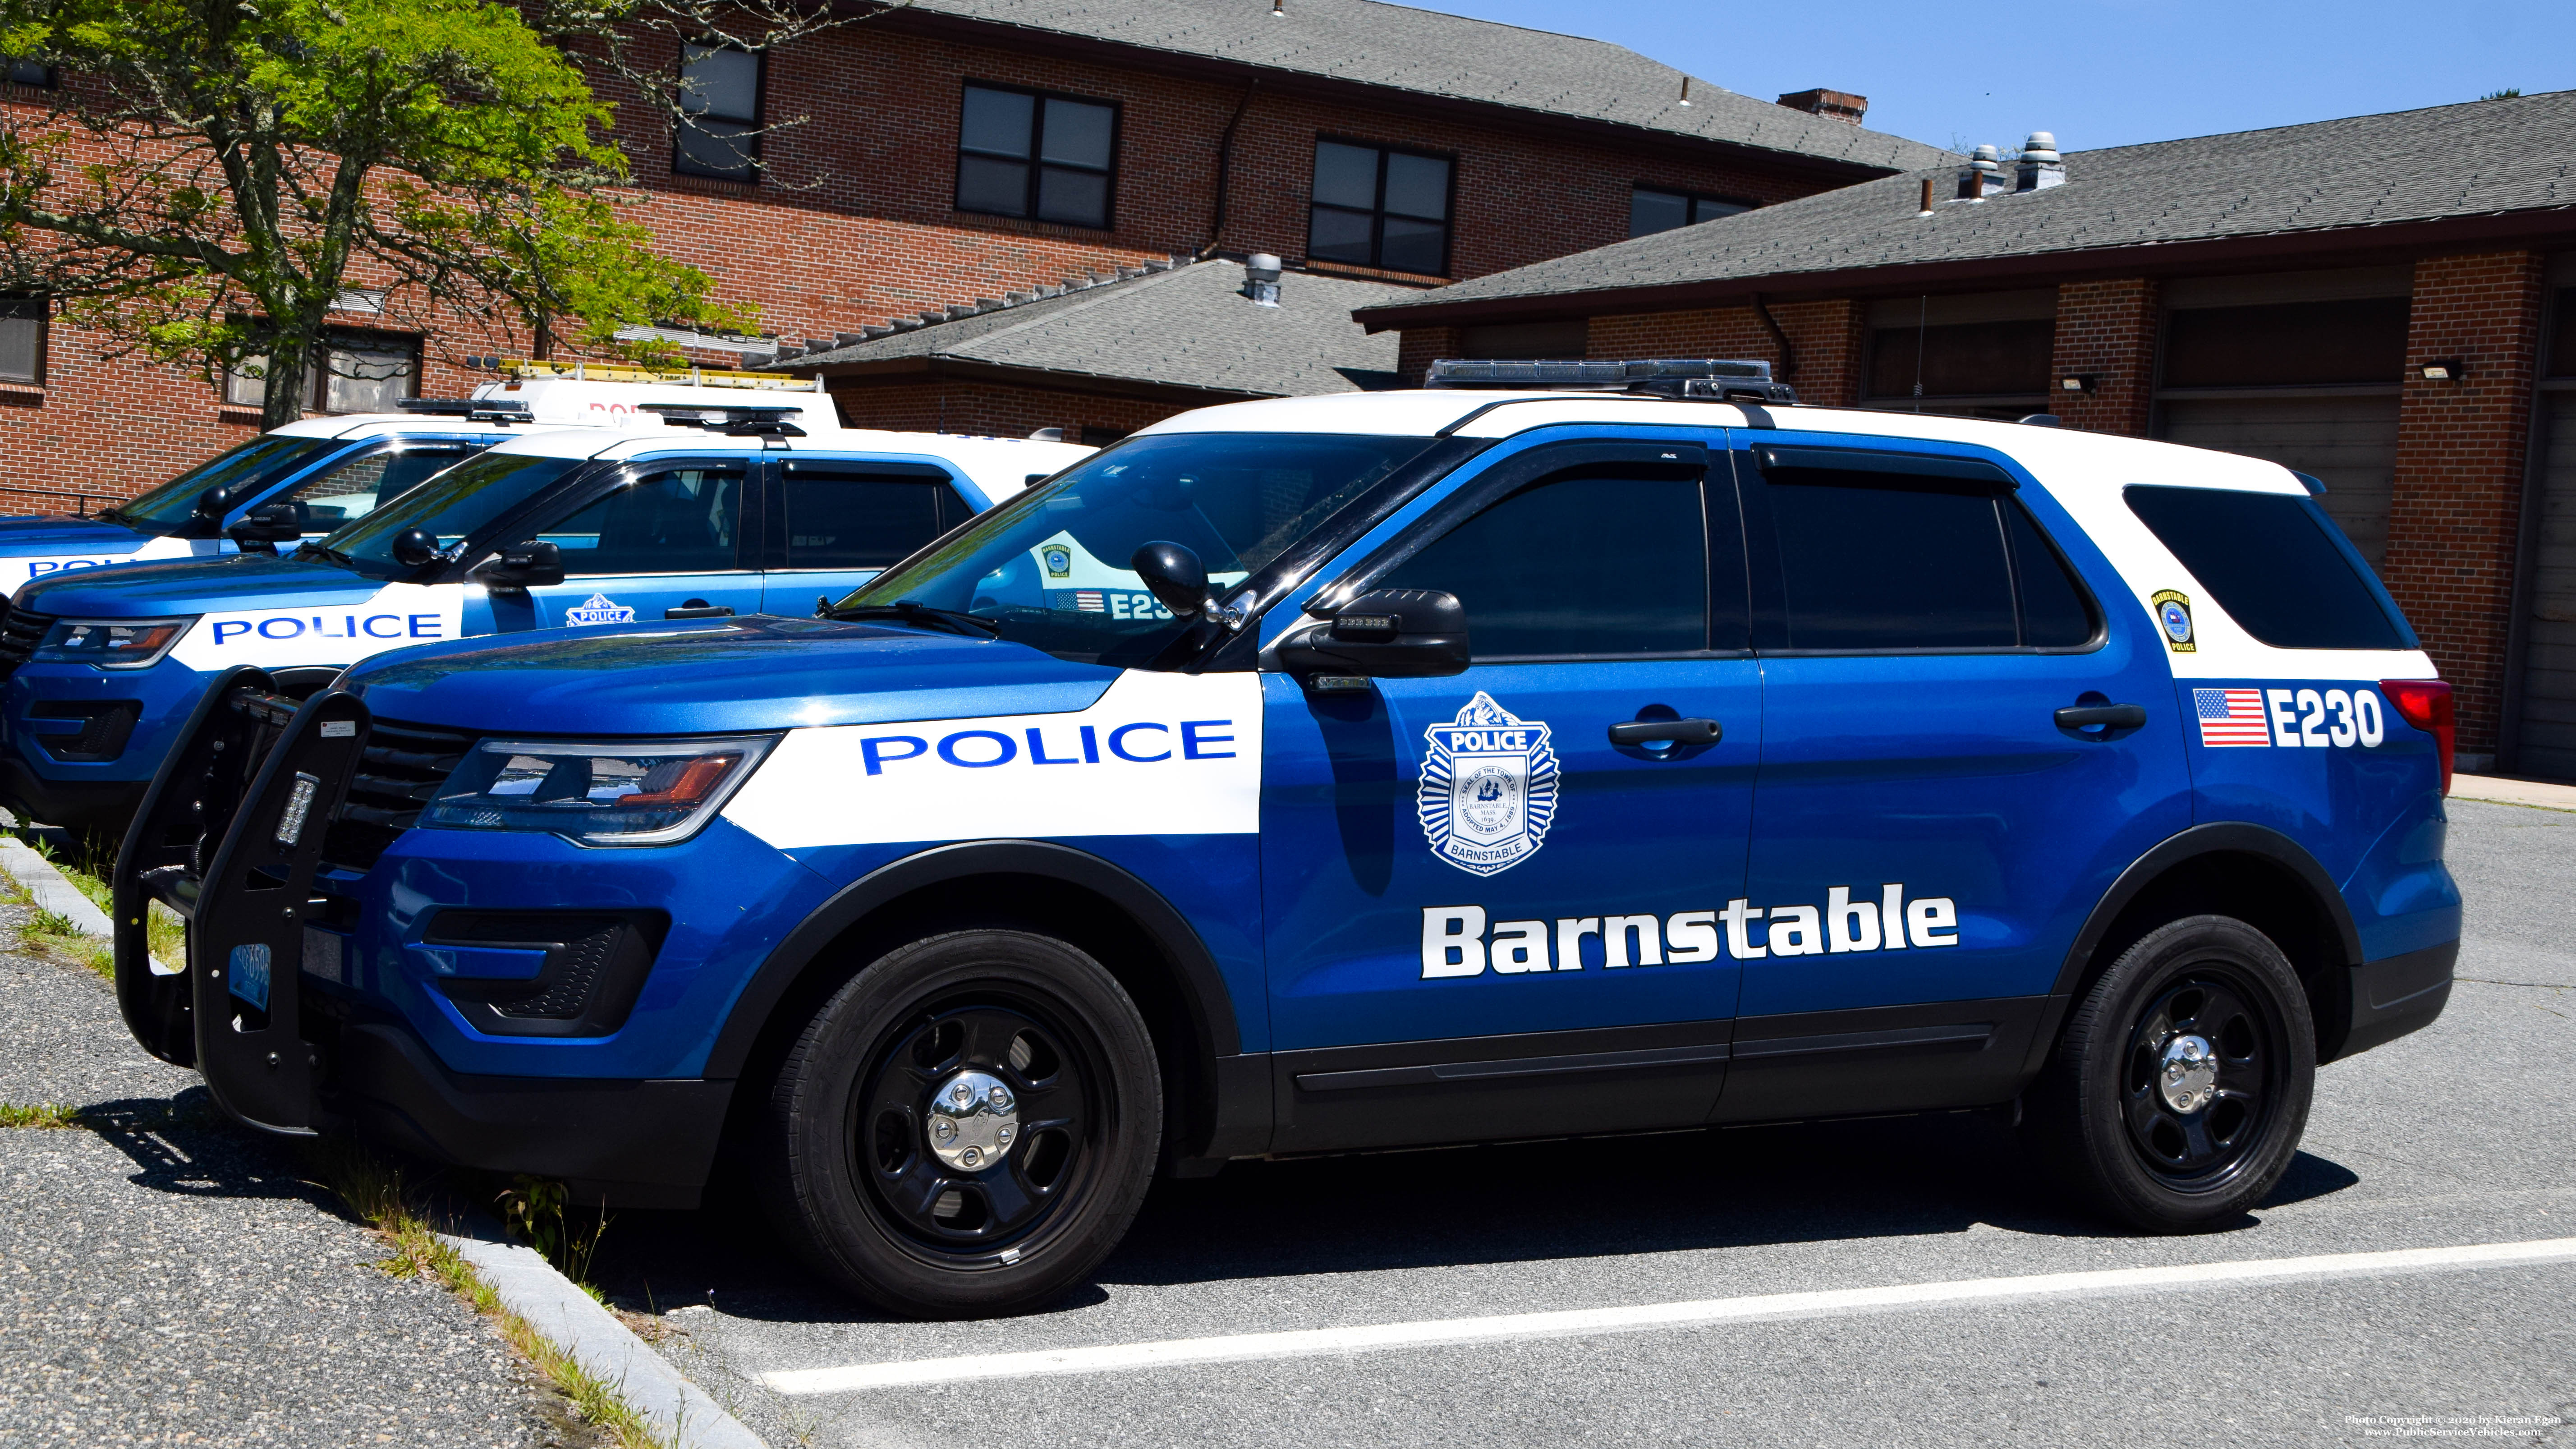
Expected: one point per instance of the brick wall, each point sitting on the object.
(2106, 330)
(2455, 512)
(1826, 336)
(999, 410)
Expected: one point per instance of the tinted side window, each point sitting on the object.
(1871, 567)
(2274, 563)
(847, 521)
(1608, 565)
(353, 489)
(677, 522)
(2056, 612)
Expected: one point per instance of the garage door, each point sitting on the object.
(2348, 442)
(2549, 660)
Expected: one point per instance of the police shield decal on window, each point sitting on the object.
(599, 609)
(1488, 790)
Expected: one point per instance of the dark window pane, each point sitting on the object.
(715, 148)
(2287, 344)
(681, 522)
(860, 523)
(31, 73)
(721, 83)
(2274, 563)
(354, 489)
(1709, 208)
(1077, 134)
(997, 121)
(1653, 211)
(1868, 567)
(1339, 236)
(1345, 175)
(1417, 186)
(22, 339)
(1413, 246)
(1581, 566)
(984, 184)
(1966, 359)
(1080, 198)
(2562, 336)
(2056, 612)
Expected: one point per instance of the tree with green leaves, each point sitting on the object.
(212, 179)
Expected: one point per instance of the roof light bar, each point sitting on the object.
(726, 417)
(1708, 379)
(476, 409)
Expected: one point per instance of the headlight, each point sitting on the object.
(110, 643)
(622, 792)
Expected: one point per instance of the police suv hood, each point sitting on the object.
(60, 534)
(196, 586)
(754, 673)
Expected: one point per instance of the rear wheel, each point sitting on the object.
(2178, 1092)
(966, 1128)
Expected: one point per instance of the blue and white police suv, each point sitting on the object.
(333, 469)
(729, 507)
(1358, 772)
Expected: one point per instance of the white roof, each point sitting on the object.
(999, 466)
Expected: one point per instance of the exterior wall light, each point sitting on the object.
(2077, 382)
(2445, 369)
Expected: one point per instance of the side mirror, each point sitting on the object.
(208, 516)
(266, 526)
(1383, 634)
(1176, 576)
(520, 565)
(415, 548)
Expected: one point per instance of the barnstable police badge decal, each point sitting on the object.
(1488, 790)
(2173, 615)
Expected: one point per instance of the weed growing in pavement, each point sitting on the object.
(533, 1209)
(373, 1189)
(53, 934)
(53, 1116)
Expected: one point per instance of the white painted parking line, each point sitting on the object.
(1318, 1342)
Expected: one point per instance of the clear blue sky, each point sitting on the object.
(2096, 72)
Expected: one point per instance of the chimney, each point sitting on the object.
(2040, 167)
(1837, 105)
(1261, 279)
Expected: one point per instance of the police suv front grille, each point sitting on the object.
(403, 765)
(20, 633)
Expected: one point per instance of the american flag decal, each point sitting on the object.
(1089, 601)
(2231, 717)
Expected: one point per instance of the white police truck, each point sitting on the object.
(1498, 763)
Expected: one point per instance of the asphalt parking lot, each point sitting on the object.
(2462, 1134)
(166, 1276)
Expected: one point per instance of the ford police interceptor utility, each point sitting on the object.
(334, 469)
(732, 509)
(1357, 772)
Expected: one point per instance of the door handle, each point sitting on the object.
(698, 609)
(1674, 731)
(2117, 716)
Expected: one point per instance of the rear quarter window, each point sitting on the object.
(2276, 564)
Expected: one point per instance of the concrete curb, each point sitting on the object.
(2502, 790)
(556, 1307)
(52, 892)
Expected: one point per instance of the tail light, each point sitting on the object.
(2426, 704)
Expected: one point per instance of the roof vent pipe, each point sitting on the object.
(2041, 167)
(1982, 176)
(1261, 279)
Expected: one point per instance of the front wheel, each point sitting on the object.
(966, 1128)
(2180, 1087)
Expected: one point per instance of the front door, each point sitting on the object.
(1483, 916)
(1928, 836)
(837, 522)
(669, 538)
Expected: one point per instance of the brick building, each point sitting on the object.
(957, 152)
(2386, 302)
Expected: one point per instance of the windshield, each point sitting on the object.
(1049, 569)
(452, 506)
(245, 470)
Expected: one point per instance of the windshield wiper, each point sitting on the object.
(913, 612)
(331, 555)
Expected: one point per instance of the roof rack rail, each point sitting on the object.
(681, 376)
(1702, 379)
(476, 409)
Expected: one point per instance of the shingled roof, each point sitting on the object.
(2506, 167)
(1177, 325)
(1396, 47)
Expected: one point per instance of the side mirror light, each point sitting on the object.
(522, 565)
(266, 526)
(1382, 634)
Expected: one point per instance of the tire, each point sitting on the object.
(2194, 1153)
(922, 1227)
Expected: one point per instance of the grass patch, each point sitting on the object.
(374, 1190)
(44, 1116)
(53, 934)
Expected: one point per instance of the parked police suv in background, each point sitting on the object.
(739, 503)
(1357, 772)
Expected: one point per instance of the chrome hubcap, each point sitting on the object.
(2188, 1078)
(973, 1121)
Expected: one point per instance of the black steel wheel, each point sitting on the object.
(2177, 1093)
(967, 1127)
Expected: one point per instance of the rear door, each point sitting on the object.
(1927, 837)
(835, 523)
(669, 536)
